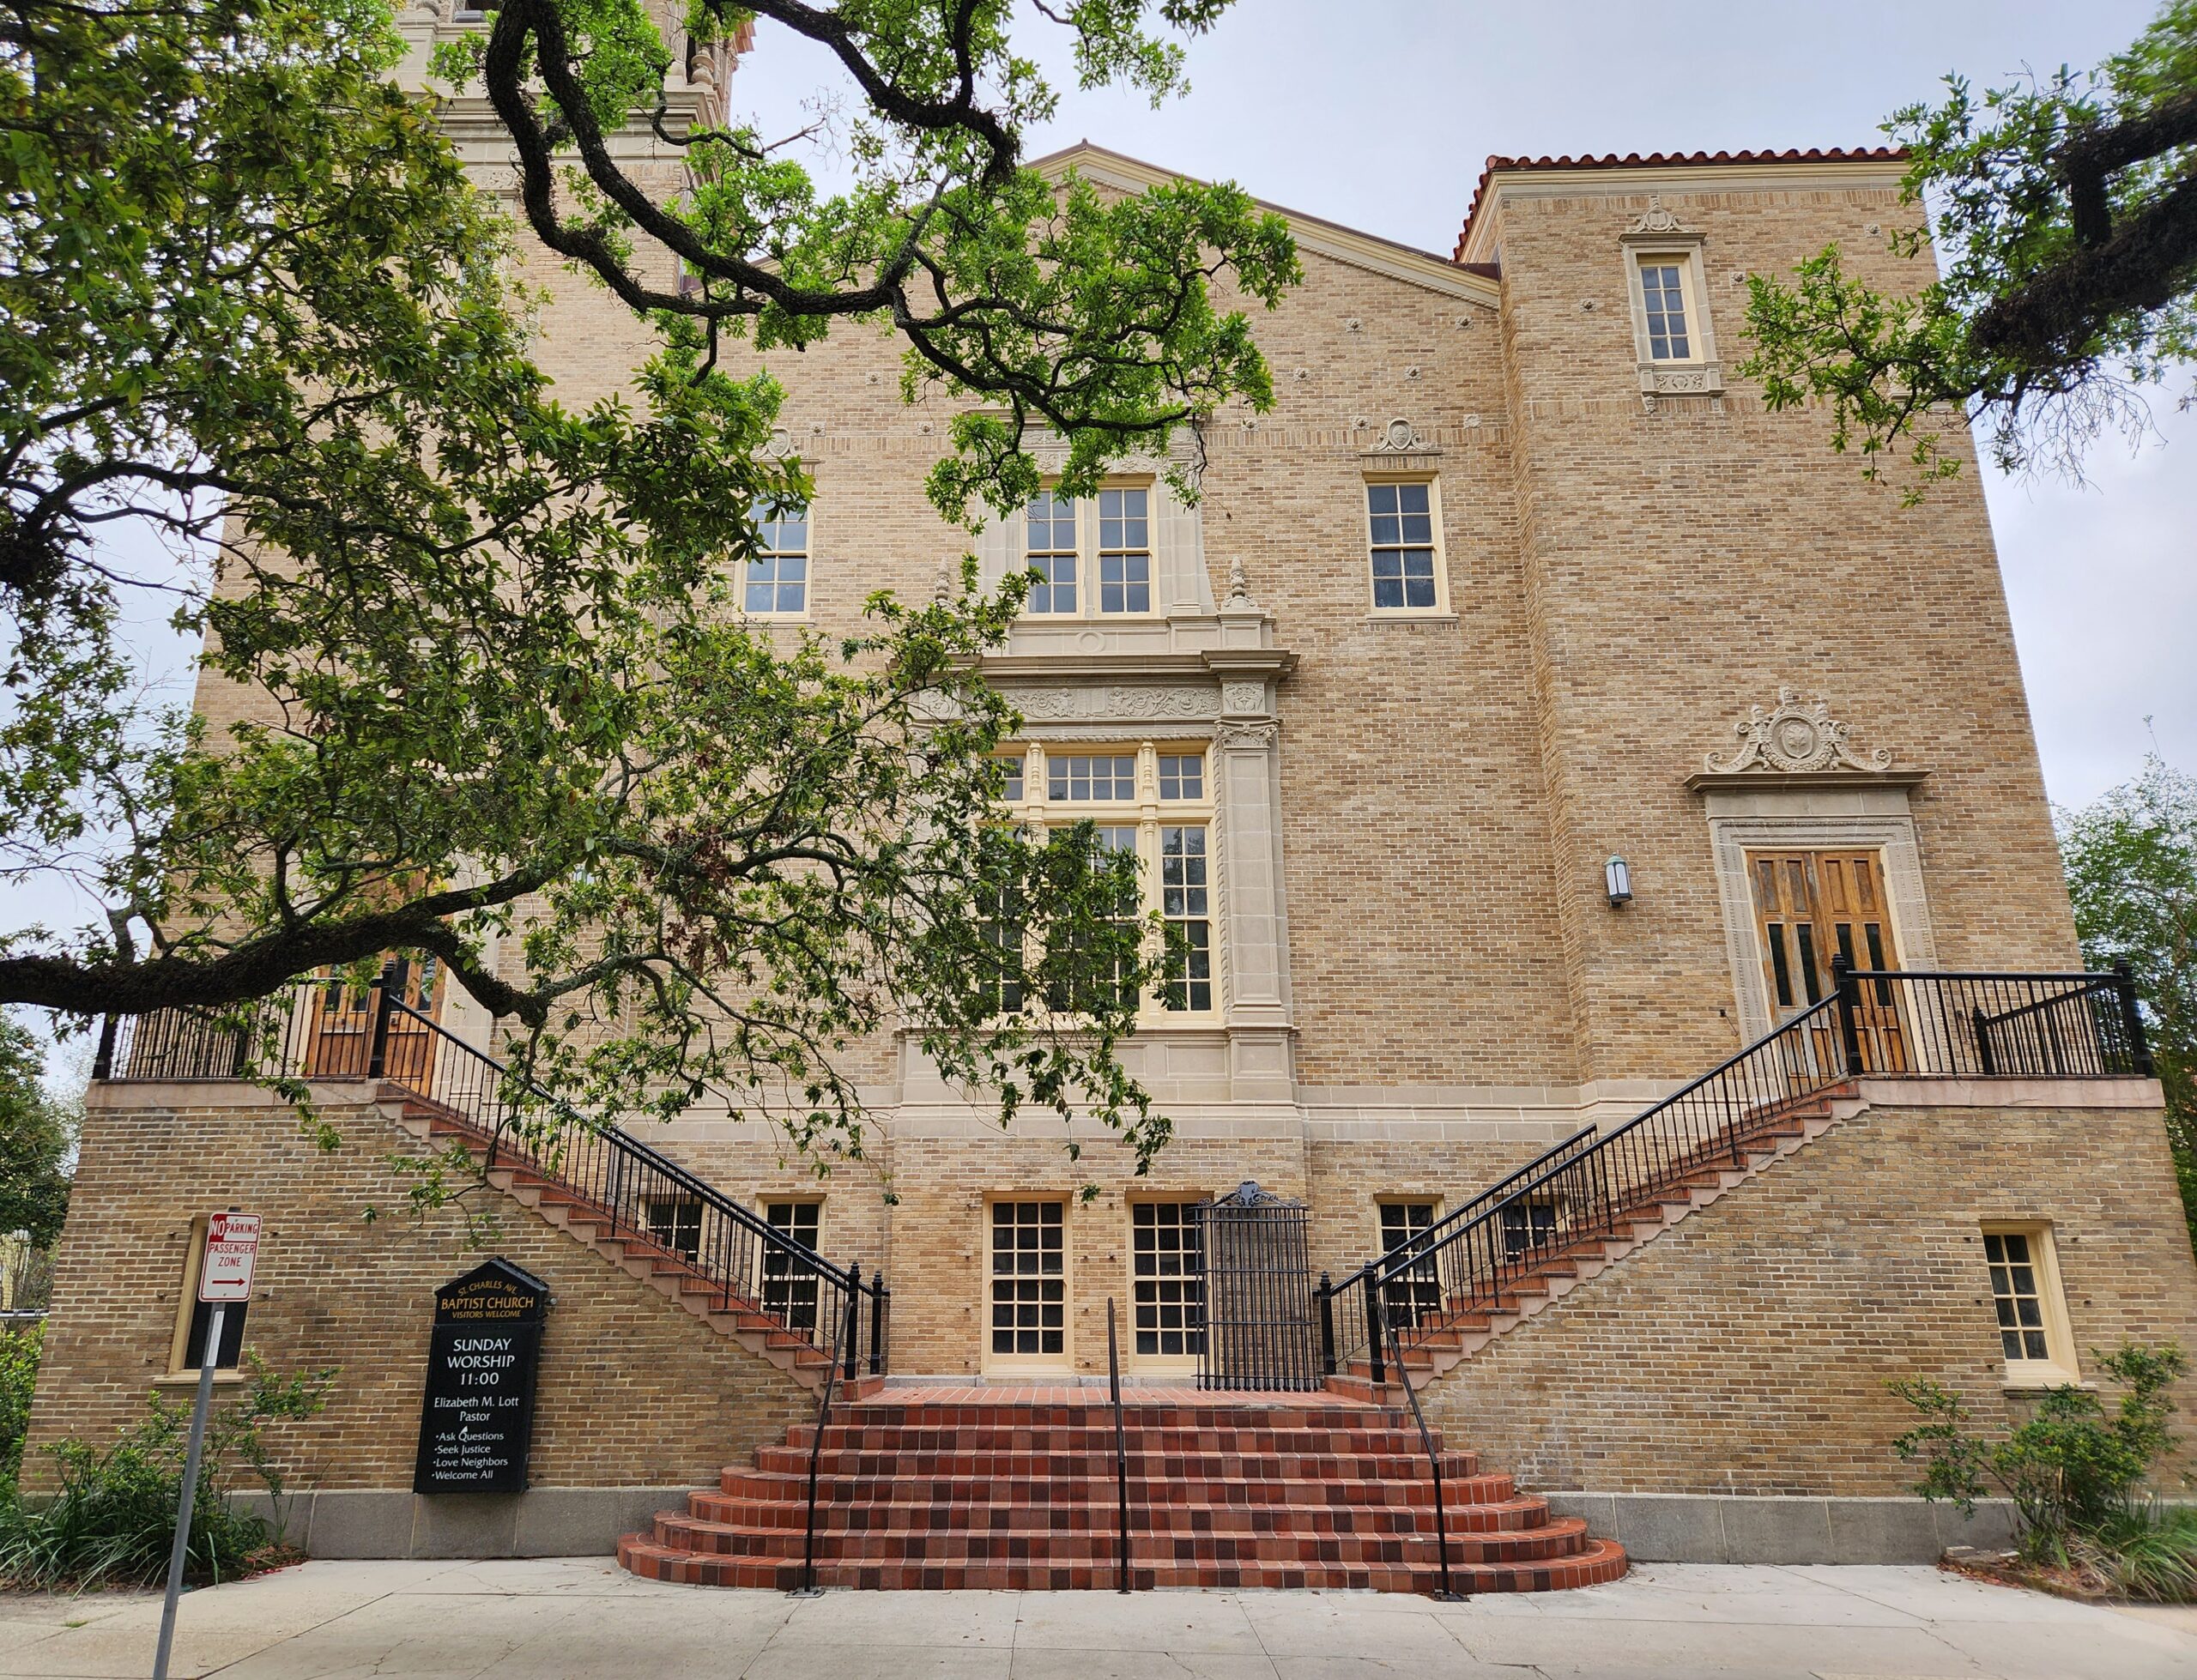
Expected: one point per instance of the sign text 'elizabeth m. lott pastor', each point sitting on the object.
(476, 1420)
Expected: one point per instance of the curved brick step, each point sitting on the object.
(1042, 1465)
(1596, 1562)
(708, 1515)
(765, 1488)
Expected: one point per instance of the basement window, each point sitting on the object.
(2030, 1312)
(194, 1317)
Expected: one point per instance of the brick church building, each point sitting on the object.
(1633, 967)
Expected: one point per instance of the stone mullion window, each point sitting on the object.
(1093, 558)
(1164, 818)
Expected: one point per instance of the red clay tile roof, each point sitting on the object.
(1671, 161)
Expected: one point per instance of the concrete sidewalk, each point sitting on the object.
(584, 1619)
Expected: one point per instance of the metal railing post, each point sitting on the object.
(877, 1324)
(1849, 991)
(1371, 1284)
(377, 1049)
(1326, 1325)
(103, 1058)
(2132, 1016)
(854, 1316)
(1121, 1441)
(1979, 1023)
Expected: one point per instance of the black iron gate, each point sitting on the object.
(1260, 1329)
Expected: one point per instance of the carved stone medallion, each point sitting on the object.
(1793, 737)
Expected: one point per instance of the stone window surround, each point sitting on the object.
(1702, 373)
(1782, 813)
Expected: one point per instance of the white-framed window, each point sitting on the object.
(1664, 304)
(1155, 800)
(1092, 557)
(1403, 530)
(1166, 1283)
(1026, 1283)
(676, 1223)
(2028, 1305)
(777, 583)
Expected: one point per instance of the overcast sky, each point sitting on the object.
(1380, 113)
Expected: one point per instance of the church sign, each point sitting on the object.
(477, 1418)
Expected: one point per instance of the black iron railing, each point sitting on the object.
(1873, 1025)
(752, 1263)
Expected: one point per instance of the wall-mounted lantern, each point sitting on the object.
(1617, 876)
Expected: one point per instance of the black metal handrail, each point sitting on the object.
(647, 1194)
(1446, 1593)
(1121, 1442)
(1874, 1024)
(808, 1588)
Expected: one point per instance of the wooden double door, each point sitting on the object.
(1809, 907)
(340, 1038)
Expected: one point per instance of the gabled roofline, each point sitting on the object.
(1686, 166)
(1313, 233)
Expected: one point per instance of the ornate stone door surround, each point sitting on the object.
(1794, 783)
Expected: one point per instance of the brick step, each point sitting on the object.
(1597, 1561)
(1558, 1538)
(884, 1412)
(757, 1489)
(906, 1511)
(1093, 1437)
(1032, 1466)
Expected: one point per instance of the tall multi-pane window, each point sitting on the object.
(1662, 297)
(2026, 1298)
(1184, 902)
(1091, 558)
(1124, 551)
(1029, 1281)
(789, 1277)
(778, 576)
(1154, 803)
(1167, 1283)
(1401, 522)
(1051, 553)
(1414, 1290)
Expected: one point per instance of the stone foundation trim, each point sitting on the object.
(395, 1522)
(1783, 1528)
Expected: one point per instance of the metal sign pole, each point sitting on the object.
(176, 1554)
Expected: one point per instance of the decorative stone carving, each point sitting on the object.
(1156, 702)
(1246, 734)
(1400, 437)
(1239, 588)
(780, 445)
(1793, 737)
(1655, 220)
(1244, 696)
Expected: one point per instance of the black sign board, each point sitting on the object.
(477, 1419)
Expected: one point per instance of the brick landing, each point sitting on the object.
(952, 1487)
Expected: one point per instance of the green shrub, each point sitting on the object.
(113, 1520)
(2072, 1469)
(18, 1351)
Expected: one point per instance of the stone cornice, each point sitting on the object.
(1757, 781)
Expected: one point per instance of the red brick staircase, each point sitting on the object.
(944, 1488)
(1441, 1338)
(730, 1313)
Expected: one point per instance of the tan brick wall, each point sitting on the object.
(632, 1390)
(1746, 1349)
(1679, 565)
